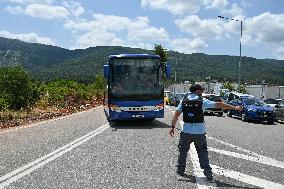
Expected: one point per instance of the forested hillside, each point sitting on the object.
(46, 62)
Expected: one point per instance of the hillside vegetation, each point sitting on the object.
(47, 63)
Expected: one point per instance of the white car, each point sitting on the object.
(272, 102)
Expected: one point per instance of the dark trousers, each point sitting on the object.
(200, 143)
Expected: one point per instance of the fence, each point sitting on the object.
(256, 90)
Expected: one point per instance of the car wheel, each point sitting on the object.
(244, 117)
(220, 114)
(270, 121)
(229, 114)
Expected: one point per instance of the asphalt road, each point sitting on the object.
(84, 151)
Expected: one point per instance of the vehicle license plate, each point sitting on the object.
(138, 116)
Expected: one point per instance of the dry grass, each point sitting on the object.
(43, 112)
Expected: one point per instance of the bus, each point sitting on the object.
(134, 87)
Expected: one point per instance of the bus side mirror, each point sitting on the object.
(106, 71)
(168, 70)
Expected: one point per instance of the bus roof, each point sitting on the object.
(135, 56)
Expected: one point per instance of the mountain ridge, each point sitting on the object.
(46, 62)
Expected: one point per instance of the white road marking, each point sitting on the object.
(201, 183)
(47, 121)
(32, 166)
(197, 171)
(262, 159)
(246, 178)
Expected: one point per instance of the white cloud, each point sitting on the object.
(176, 7)
(30, 1)
(216, 4)
(266, 30)
(186, 45)
(280, 52)
(234, 11)
(267, 27)
(98, 38)
(150, 33)
(30, 37)
(46, 11)
(40, 11)
(207, 28)
(134, 31)
(75, 7)
(15, 10)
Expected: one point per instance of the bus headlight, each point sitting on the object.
(159, 107)
(114, 107)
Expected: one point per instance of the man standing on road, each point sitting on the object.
(193, 129)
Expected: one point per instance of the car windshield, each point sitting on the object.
(249, 101)
(252, 101)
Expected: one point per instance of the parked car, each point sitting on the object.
(215, 98)
(234, 95)
(253, 109)
(176, 98)
(228, 97)
(272, 102)
(280, 111)
(166, 97)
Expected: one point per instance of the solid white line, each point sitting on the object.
(246, 178)
(197, 171)
(32, 166)
(47, 121)
(264, 159)
(250, 158)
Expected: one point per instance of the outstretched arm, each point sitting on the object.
(227, 106)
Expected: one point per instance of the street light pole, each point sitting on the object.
(240, 62)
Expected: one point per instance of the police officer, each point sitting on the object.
(193, 129)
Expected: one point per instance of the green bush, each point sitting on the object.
(17, 91)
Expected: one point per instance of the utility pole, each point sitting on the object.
(175, 77)
(176, 71)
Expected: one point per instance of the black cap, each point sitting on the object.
(193, 88)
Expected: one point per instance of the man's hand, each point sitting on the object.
(238, 108)
(172, 131)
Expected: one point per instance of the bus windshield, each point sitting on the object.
(135, 77)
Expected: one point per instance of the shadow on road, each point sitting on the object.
(138, 124)
(191, 178)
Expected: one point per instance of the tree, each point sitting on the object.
(243, 89)
(161, 51)
(228, 86)
(17, 91)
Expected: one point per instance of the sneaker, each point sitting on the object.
(210, 179)
(179, 172)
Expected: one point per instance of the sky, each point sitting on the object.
(186, 26)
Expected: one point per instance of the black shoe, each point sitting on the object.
(179, 172)
(210, 179)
